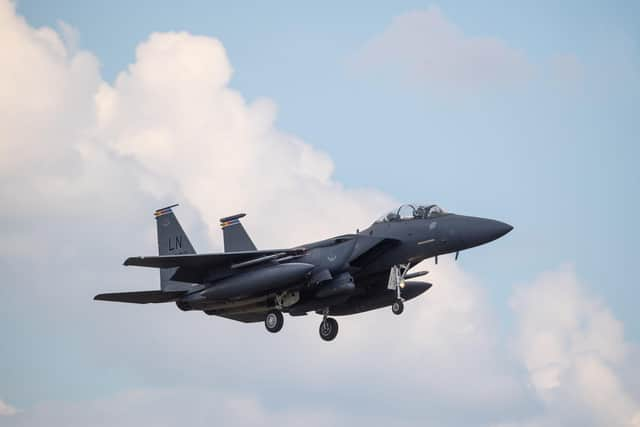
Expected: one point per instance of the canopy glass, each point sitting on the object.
(409, 211)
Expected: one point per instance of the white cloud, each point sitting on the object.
(6, 409)
(193, 135)
(425, 47)
(573, 349)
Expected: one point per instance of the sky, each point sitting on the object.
(315, 120)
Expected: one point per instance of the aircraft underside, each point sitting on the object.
(269, 308)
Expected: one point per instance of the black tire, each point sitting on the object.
(328, 329)
(397, 307)
(274, 321)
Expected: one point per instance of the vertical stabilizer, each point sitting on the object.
(172, 240)
(235, 236)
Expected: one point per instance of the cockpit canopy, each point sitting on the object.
(409, 211)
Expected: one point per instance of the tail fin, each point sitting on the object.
(235, 237)
(172, 240)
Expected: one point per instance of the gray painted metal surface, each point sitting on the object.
(342, 275)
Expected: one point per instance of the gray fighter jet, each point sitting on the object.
(343, 275)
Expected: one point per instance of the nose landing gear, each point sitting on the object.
(396, 282)
(397, 307)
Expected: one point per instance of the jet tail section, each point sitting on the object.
(172, 240)
(235, 236)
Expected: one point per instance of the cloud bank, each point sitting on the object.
(573, 349)
(425, 47)
(83, 162)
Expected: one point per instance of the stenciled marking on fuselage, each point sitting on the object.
(331, 258)
(424, 242)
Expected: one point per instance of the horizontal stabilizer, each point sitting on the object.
(141, 297)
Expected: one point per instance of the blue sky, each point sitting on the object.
(549, 145)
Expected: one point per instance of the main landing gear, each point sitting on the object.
(328, 327)
(274, 321)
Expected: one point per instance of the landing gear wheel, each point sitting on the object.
(397, 307)
(274, 321)
(328, 329)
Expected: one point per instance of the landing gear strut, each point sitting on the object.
(274, 321)
(396, 282)
(328, 327)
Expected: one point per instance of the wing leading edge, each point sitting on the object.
(205, 260)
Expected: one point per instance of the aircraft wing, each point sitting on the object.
(227, 259)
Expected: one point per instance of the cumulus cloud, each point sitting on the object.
(81, 162)
(573, 349)
(193, 135)
(425, 47)
(170, 126)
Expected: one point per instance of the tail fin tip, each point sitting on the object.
(164, 211)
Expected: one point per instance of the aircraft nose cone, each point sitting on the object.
(490, 230)
(482, 230)
(499, 229)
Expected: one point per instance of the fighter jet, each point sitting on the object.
(343, 275)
